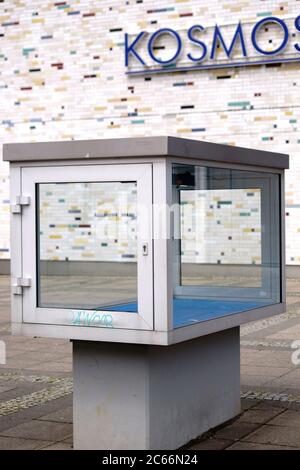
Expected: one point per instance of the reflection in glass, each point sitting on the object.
(208, 217)
(87, 245)
(226, 246)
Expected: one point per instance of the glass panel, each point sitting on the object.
(209, 215)
(226, 242)
(87, 245)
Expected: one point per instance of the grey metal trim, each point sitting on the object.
(214, 164)
(223, 323)
(147, 337)
(86, 149)
(161, 146)
(179, 147)
(283, 240)
(89, 333)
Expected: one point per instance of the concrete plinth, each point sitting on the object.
(154, 397)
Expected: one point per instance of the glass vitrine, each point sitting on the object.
(148, 240)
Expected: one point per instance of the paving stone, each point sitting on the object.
(266, 369)
(263, 328)
(292, 333)
(40, 430)
(257, 370)
(251, 446)
(5, 388)
(35, 412)
(288, 418)
(294, 406)
(16, 443)
(211, 444)
(43, 356)
(274, 359)
(62, 416)
(69, 440)
(27, 377)
(52, 367)
(251, 381)
(58, 446)
(19, 363)
(236, 430)
(247, 404)
(259, 415)
(18, 391)
(291, 380)
(275, 435)
(37, 397)
(269, 404)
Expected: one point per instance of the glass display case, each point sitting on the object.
(149, 240)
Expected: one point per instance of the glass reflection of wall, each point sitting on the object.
(226, 245)
(87, 244)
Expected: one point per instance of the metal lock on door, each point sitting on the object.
(145, 249)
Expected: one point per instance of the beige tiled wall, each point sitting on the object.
(62, 76)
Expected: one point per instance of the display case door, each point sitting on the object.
(87, 245)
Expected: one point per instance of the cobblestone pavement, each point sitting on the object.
(36, 387)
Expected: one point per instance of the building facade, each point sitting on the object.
(63, 76)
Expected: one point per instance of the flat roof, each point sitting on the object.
(160, 146)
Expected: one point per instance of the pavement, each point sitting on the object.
(36, 387)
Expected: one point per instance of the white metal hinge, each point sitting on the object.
(20, 201)
(19, 283)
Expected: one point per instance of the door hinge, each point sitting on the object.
(20, 201)
(19, 283)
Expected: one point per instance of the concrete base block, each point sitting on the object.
(154, 397)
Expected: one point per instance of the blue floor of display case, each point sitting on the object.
(189, 311)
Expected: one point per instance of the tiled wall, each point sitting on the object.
(62, 76)
(221, 226)
(88, 221)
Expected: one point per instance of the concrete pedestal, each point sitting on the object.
(154, 397)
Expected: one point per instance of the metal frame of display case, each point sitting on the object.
(159, 153)
(126, 381)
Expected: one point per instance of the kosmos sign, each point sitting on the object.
(270, 40)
